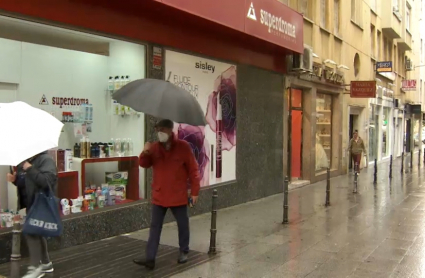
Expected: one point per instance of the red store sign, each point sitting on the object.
(268, 20)
(363, 89)
(408, 85)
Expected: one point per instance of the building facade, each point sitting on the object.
(354, 40)
(73, 49)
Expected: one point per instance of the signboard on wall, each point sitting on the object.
(213, 84)
(408, 85)
(384, 66)
(413, 109)
(363, 89)
(268, 20)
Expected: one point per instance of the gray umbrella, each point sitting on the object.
(161, 99)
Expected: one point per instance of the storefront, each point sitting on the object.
(316, 122)
(72, 68)
(383, 124)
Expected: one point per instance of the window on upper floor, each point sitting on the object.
(408, 17)
(336, 16)
(356, 11)
(373, 42)
(324, 13)
(379, 44)
(395, 4)
(374, 5)
(305, 7)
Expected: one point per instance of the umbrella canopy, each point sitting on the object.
(161, 99)
(27, 131)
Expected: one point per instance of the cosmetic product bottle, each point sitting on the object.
(111, 84)
(117, 83)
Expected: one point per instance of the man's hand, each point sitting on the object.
(26, 165)
(10, 177)
(147, 148)
(194, 199)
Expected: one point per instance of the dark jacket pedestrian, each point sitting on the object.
(37, 174)
(174, 165)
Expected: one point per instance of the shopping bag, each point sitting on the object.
(43, 218)
(363, 162)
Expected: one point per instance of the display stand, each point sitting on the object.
(68, 185)
(126, 163)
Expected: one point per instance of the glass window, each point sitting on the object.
(323, 13)
(385, 132)
(304, 7)
(373, 132)
(373, 5)
(323, 132)
(408, 18)
(336, 17)
(372, 38)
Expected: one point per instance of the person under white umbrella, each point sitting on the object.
(31, 132)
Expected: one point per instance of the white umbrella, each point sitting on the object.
(26, 131)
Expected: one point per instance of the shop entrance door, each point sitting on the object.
(295, 137)
(7, 191)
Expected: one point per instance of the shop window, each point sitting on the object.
(97, 157)
(373, 132)
(214, 145)
(386, 132)
(323, 132)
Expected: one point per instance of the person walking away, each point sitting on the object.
(32, 176)
(356, 149)
(173, 164)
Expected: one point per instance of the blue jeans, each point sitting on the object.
(158, 214)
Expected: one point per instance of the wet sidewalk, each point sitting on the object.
(377, 232)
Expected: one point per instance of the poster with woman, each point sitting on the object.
(213, 84)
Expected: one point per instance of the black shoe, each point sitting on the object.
(182, 258)
(149, 265)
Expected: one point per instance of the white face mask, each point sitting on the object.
(163, 137)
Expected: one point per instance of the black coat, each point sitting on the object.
(40, 176)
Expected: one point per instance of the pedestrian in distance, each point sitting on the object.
(356, 149)
(173, 164)
(32, 176)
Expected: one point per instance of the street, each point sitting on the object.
(374, 233)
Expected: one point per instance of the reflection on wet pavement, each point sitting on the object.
(378, 232)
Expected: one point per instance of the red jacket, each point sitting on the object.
(171, 171)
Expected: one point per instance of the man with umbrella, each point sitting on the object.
(173, 164)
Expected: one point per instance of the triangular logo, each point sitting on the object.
(251, 13)
(43, 100)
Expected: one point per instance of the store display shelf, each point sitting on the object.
(324, 111)
(323, 123)
(129, 164)
(325, 135)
